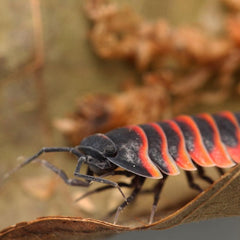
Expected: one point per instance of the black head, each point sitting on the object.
(98, 144)
(97, 148)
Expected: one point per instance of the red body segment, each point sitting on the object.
(177, 147)
(170, 164)
(143, 154)
(194, 143)
(132, 152)
(217, 151)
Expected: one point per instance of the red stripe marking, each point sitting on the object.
(183, 159)
(234, 152)
(219, 153)
(143, 153)
(171, 166)
(199, 154)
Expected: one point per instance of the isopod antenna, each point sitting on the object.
(34, 158)
(87, 179)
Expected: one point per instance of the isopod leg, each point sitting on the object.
(220, 171)
(118, 173)
(101, 189)
(77, 182)
(157, 190)
(63, 175)
(202, 175)
(191, 182)
(137, 183)
(90, 178)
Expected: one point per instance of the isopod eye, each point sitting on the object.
(99, 143)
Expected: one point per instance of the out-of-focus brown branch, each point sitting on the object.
(234, 5)
(101, 113)
(37, 66)
(38, 33)
(36, 61)
(33, 67)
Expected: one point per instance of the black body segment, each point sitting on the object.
(227, 130)
(237, 116)
(158, 149)
(194, 142)
(172, 137)
(212, 140)
(176, 145)
(228, 126)
(206, 131)
(132, 151)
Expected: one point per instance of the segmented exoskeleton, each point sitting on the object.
(154, 150)
(151, 149)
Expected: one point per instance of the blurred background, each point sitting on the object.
(72, 68)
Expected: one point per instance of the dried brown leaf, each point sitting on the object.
(222, 199)
(233, 26)
(122, 33)
(156, 46)
(233, 4)
(101, 113)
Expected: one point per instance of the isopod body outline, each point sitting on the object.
(153, 150)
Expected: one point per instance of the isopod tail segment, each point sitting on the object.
(153, 150)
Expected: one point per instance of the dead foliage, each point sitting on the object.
(220, 200)
(101, 113)
(180, 68)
